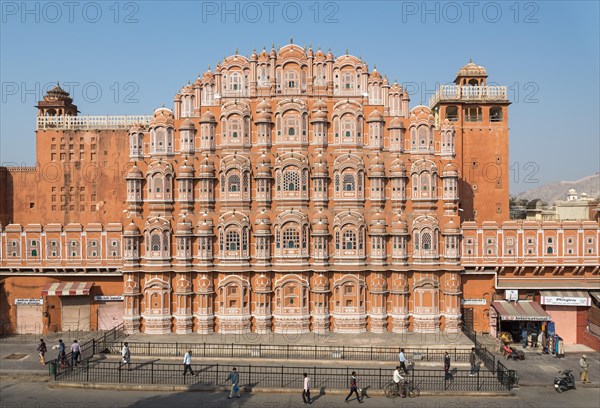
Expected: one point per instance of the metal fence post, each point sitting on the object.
(371, 353)
(176, 348)
(148, 348)
(87, 370)
(315, 351)
(204, 349)
(343, 351)
(287, 353)
(250, 375)
(217, 375)
(93, 347)
(379, 377)
(152, 373)
(120, 365)
(281, 376)
(478, 384)
(231, 350)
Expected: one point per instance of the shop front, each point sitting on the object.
(74, 304)
(564, 306)
(511, 319)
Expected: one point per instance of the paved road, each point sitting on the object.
(20, 394)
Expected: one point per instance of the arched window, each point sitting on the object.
(235, 81)
(291, 238)
(155, 242)
(496, 114)
(234, 183)
(291, 79)
(349, 240)
(452, 113)
(349, 182)
(235, 129)
(232, 242)
(291, 180)
(348, 128)
(426, 241)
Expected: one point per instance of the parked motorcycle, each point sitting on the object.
(565, 381)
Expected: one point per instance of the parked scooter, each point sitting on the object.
(565, 381)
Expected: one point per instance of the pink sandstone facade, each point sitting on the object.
(291, 191)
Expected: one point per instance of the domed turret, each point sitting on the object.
(134, 173)
(396, 123)
(207, 117)
(184, 226)
(378, 223)
(320, 283)
(397, 167)
(471, 74)
(262, 284)
(262, 225)
(376, 167)
(185, 170)
(205, 225)
(162, 116)
(320, 166)
(204, 285)
(187, 124)
(132, 229)
(375, 116)
(263, 165)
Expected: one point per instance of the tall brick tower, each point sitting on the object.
(479, 113)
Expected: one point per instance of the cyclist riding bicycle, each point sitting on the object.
(400, 381)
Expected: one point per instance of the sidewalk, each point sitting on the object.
(535, 370)
(439, 341)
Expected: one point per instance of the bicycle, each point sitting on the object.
(393, 390)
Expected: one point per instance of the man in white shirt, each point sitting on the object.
(403, 361)
(306, 390)
(399, 381)
(187, 363)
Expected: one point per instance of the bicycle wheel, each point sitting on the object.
(390, 391)
(413, 392)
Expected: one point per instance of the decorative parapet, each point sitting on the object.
(90, 122)
(469, 93)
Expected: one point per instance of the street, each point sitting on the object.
(38, 394)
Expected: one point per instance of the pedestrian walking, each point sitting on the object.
(187, 363)
(61, 359)
(524, 335)
(447, 366)
(75, 353)
(403, 361)
(42, 349)
(353, 388)
(584, 365)
(472, 360)
(234, 377)
(126, 354)
(306, 390)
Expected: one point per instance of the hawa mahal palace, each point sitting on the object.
(288, 191)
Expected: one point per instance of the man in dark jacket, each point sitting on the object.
(472, 359)
(447, 366)
(353, 387)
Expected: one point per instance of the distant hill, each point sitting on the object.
(558, 190)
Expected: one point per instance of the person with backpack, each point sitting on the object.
(353, 388)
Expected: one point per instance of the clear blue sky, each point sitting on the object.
(138, 54)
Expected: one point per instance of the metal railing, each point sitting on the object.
(289, 351)
(508, 377)
(153, 372)
(96, 345)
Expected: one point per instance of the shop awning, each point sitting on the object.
(523, 310)
(67, 289)
(565, 298)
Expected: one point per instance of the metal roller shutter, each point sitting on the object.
(75, 313)
(29, 319)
